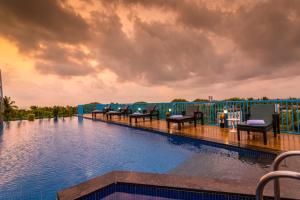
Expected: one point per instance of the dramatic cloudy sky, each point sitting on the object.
(78, 51)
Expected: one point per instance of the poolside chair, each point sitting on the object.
(124, 111)
(103, 111)
(192, 114)
(262, 117)
(149, 112)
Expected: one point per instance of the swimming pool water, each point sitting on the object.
(39, 158)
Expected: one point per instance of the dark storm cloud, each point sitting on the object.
(158, 52)
(30, 21)
(269, 32)
(39, 26)
(263, 39)
(190, 13)
(266, 34)
(55, 59)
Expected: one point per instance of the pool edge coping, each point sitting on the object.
(148, 179)
(175, 182)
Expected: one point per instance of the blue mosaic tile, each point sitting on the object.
(131, 191)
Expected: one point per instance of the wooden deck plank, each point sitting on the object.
(283, 142)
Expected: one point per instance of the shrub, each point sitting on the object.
(31, 117)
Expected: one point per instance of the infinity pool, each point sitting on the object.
(39, 158)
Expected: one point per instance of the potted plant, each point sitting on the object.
(222, 120)
(168, 114)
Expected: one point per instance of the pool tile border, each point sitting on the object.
(156, 185)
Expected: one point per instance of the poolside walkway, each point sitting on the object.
(283, 142)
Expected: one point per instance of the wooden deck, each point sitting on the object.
(283, 142)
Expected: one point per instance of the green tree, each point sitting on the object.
(33, 107)
(9, 107)
(55, 111)
(140, 102)
(200, 100)
(234, 99)
(20, 113)
(94, 102)
(11, 111)
(179, 100)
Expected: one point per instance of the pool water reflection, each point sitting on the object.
(39, 158)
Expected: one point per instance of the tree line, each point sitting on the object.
(228, 99)
(12, 112)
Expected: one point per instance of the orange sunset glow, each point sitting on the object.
(68, 52)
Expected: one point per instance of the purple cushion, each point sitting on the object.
(255, 122)
(137, 113)
(176, 116)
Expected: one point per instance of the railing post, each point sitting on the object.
(80, 110)
(298, 120)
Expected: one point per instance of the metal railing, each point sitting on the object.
(275, 167)
(273, 175)
(289, 110)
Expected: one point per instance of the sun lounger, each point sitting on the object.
(192, 114)
(149, 112)
(121, 112)
(262, 117)
(104, 111)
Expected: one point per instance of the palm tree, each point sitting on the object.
(9, 107)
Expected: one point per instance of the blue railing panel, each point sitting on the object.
(80, 109)
(288, 109)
